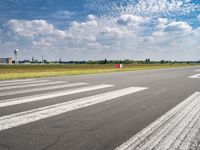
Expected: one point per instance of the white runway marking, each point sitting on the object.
(39, 97)
(40, 89)
(196, 76)
(197, 70)
(10, 81)
(26, 82)
(25, 117)
(30, 85)
(174, 130)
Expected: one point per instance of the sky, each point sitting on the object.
(100, 29)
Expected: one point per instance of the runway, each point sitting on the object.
(140, 110)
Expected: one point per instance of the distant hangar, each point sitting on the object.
(5, 60)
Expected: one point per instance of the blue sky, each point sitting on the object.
(91, 30)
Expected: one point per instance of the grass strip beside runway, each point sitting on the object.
(36, 71)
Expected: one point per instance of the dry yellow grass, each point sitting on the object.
(36, 71)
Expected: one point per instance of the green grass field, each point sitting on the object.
(36, 71)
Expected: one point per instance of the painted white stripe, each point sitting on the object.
(25, 117)
(196, 76)
(30, 85)
(26, 82)
(10, 81)
(197, 70)
(39, 97)
(40, 89)
(171, 131)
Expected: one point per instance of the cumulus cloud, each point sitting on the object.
(41, 28)
(172, 32)
(130, 20)
(88, 24)
(33, 28)
(129, 30)
(91, 35)
(178, 27)
(94, 46)
(84, 30)
(91, 17)
(114, 32)
(44, 42)
(162, 22)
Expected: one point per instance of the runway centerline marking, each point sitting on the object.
(30, 85)
(28, 99)
(17, 119)
(174, 130)
(41, 89)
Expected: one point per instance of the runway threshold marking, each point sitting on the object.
(41, 89)
(30, 85)
(39, 97)
(177, 129)
(10, 81)
(196, 76)
(17, 119)
(26, 82)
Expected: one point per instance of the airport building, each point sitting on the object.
(5, 60)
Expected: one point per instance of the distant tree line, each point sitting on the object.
(105, 61)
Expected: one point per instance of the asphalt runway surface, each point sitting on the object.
(152, 109)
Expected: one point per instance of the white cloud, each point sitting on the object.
(178, 27)
(130, 20)
(114, 32)
(33, 28)
(41, 29)
(94, 46)
(92, 39)
(91, 17)
(84, 30)
(158, 34)
(162, 22)
(148, 8)
(87, 24)
(44, 42)
(166, 27)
